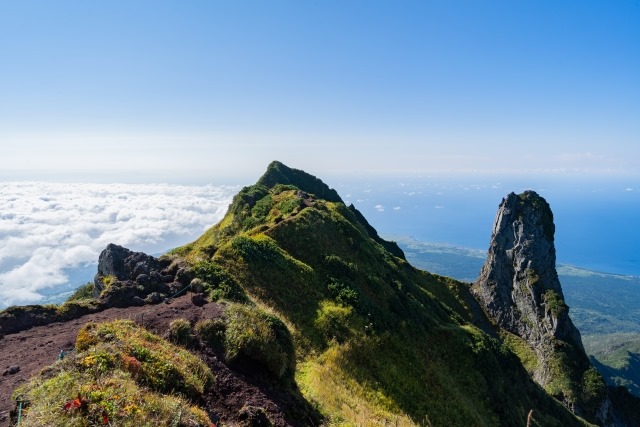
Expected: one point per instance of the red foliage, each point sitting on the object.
(131, 364)
(79, 403)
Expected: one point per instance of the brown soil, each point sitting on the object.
(235, 388)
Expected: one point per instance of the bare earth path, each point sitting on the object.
(38, 347)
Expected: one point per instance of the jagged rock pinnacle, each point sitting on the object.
(519, 284)
(519, 289)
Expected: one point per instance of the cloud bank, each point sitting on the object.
(47, 228)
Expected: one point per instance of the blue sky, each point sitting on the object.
(214, 90)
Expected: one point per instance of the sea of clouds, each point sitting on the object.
(48, 229)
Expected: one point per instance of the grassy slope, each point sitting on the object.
(617, 357)
(377, 341)
(604, 307)
(120, 374)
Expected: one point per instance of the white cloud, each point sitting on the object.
(379, 208)
(396, 208)
(46, 228)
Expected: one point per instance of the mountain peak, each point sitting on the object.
(279, 173)
(520, 291)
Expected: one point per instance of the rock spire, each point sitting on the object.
(520, 292)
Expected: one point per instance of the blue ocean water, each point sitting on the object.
(597, 225)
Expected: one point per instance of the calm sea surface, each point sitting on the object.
(597, 221)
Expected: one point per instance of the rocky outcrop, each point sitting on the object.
(520, 292)
(518, 284)
(125, 277)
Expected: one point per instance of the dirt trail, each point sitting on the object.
(38, 347)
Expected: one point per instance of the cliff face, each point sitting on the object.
(518, 284)
(520, 291)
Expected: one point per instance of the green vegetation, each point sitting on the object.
(121, 375)
(263, 338)
(617, 357)
(212, 332)
(218, 283)
(604, 307)
(313, 294)
(12, 317)
(376, 340)
(164, 367)
(520, 348)
(107, 282)
(180, 332)
(83, 292)
(554, 304)
(336, 322)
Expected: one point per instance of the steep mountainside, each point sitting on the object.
(376, 339)
(314, 306)
(604, 307)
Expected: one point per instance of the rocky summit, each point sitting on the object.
(520, 292)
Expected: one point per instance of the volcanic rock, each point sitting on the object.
(519, 290)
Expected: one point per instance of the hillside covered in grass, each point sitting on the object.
(604, 307)
(376, 339)
(315, 309)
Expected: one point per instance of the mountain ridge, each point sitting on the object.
(376, 340)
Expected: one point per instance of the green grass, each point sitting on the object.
(252, 333)
(375, 338)
(180, 332)
(121, 375)
(164, 367)
(521, 349)
(83, 292)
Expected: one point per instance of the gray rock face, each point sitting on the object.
(125, 277)
(518, 284)
(120, 263)
(519, 290)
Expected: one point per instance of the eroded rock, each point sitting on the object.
(519, 289)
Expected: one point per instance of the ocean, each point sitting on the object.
(597, 220)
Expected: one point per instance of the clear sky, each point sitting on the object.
(202, 90)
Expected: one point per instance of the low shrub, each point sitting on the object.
(180, 332)
(218, 283)
(333, 321)
(163, 367)
(74, 397)
(251, 333)
(212, 332)
(83, 292)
